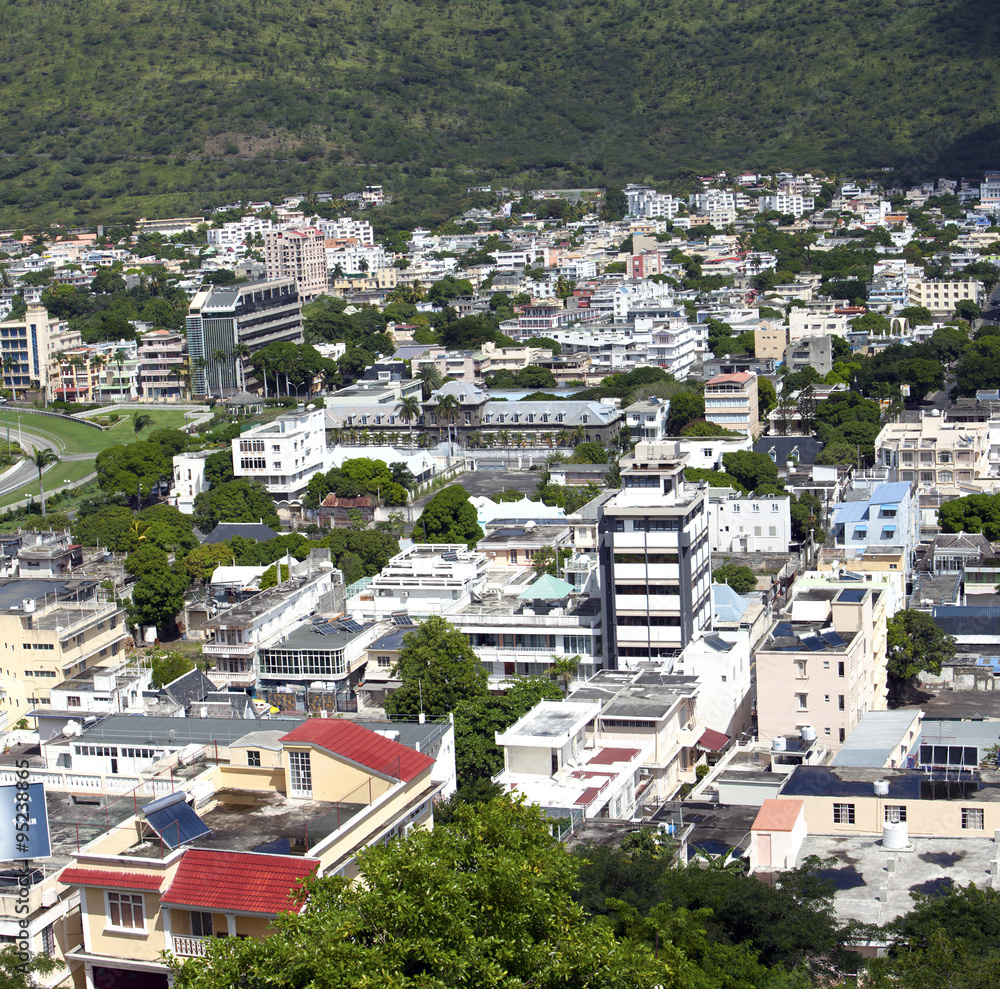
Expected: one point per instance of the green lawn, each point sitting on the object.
(74, 437)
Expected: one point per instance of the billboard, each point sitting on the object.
(25, 822)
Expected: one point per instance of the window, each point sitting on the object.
(840, 702)
(895, 813)
(840, 669)
(201, 924)
(972, 819)
(48, 940)
(802, 700)
(301, 774)
(253, 757)
(843, 813)
(800, 668)
(125, 911)
(72, 701)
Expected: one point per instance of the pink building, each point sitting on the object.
(298, 254)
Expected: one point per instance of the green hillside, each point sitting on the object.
(147, 101)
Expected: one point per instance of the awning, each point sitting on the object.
(863, 526)
(890, 508)
(888, 528)
(714, 741)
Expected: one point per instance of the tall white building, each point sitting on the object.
(284, 454)
(654, 558)
(740, 523)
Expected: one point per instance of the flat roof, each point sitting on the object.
(971, 786)
(305, 636)
(134, 730)
(875, 739)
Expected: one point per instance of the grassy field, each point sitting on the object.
(73, 438)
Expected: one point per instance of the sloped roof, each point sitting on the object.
(238, 881)
(111, 879)
(360, 745)
(727, 605)
(547, 588)
(335, 501)
(777, 815)
(248, 530)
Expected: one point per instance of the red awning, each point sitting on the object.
(714, 741)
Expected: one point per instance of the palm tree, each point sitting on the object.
(447, 406)
(417, 292)
(98, 362)
(41, 459)
(120, 357)
(430, 379)
(241, 352)
(338, 271)
(220, 357)
(141, 421)
(409, 409)
(581, 433)
(363, 266)
(563, 669)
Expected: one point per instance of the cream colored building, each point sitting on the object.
(298, 254)
(731, 402)
(28, 347)
(934, 452)
(52, 630)
(942, 296)
(823, 666)
(770, 340)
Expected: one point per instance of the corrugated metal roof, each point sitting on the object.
(853, 511)
(890, 491)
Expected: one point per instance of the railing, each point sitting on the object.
(224, 678)
(189, 947)
(243, 650)
(57, 779)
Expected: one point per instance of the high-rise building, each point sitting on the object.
(254, 313)
(28, 346)
(298, 254)
(654, 557)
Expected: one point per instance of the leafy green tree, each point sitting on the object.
(767, 396)
(167, 666)
(17, 972)
(234, 501)
(914, 644)
(740, 579)
(702, 427)
(202, 561)
(974, 513)
(684, 408)
(173, 441)
(755, 471)
(219, 468)
(132, 469)
(438, 668)
(917, 315)
(141, 421)
(806, 514)
(111, 526)
(550, 560)
(968, 310)
(589, 453)
(979, 366)
(158, 596)
(449, 517)
(166, 527)
(713, 478)
(269, 578)
(504, 916)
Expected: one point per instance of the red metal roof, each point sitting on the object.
(362, 746)
(777, 815)
(739, 377)
(714, 740)
(245, 882)
(111, 879)
(587, 796)
(607, 756)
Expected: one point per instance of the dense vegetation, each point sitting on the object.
(164, 107)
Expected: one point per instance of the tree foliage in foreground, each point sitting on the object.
(484, 900)
(914, 644)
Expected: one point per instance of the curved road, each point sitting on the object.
(25, 472)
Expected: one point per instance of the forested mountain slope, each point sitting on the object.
(619, 88)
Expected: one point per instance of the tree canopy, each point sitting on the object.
(234, 501)
(914, 644)
(132, 469)
(740, 579)
(449, 517)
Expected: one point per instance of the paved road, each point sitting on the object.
(27, 472)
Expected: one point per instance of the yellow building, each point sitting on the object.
(52, 630)
(220, 857)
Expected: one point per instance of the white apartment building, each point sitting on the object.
(351, 256)
(647, 202)
(731, 402)
(189, 479)
(284, 454)
(298, 254)
(676, 347)
(713, 199)
(743, 523)
(654, 558)
(237, 233)
(933, 452)
(810, 323)
(426, 579)
(346, 228)
(786, 202)
(989, 191)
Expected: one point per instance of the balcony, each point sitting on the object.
(238, 650)
(226, 678)
(189, 947)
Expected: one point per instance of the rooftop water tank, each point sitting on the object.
(881, 788)
(778, 743)
(808, 733)
(895, 835)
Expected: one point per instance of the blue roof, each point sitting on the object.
(851, 511)
(727, 605)
(895, 491)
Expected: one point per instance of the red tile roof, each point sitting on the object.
(587, 796)
(740, 377)
(111, 879)
(362, 746)
(713, 740)
(607, 756)
(245, 882)
(777, 815)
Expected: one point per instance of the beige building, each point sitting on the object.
(770, 340)
(810, 323)
(28, 347)
(731, 402)
(52, 630)
(823, 667)
(934, 452)
(298, 254)
(941, 297)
